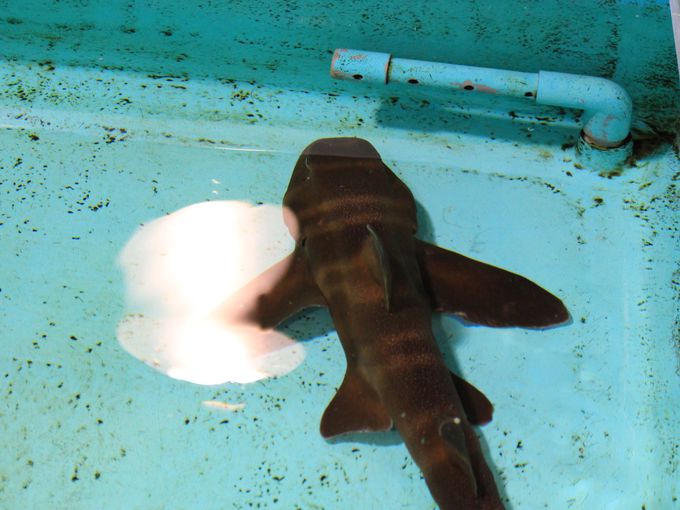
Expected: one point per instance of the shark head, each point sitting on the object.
(348, 176)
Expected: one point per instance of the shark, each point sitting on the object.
(356, 253)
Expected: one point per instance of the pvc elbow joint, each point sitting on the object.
(608, 109)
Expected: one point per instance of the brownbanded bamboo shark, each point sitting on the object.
(356, 253)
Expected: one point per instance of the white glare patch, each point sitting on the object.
(180, 268)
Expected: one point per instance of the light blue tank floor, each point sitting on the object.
(586, 415)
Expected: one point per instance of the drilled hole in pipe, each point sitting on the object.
(529, 94)
(413, 81)
(469, 87)
(357, 76)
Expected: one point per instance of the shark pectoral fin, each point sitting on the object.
(356, 407)
(274, 295)
(379, 264)
(478, 408)
(484, 294)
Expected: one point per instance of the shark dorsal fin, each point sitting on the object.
(356, 407)
(380, 265)
(452, 432)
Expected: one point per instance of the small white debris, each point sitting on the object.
(216, 404)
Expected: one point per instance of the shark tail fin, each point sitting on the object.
(484, 294)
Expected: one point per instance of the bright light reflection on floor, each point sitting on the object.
(180, 268)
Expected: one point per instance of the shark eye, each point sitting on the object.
(308, 168)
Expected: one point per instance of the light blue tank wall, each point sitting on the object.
(291, 42)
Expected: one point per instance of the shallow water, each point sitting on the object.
(585, 413)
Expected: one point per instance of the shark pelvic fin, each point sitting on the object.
(380, 265)
(356, 407)
(478, 408)
(484, 294)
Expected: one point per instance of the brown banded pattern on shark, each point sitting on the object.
(356, 253)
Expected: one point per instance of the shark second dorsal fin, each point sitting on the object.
(452, 432)
(379, 263)
(356, 407)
